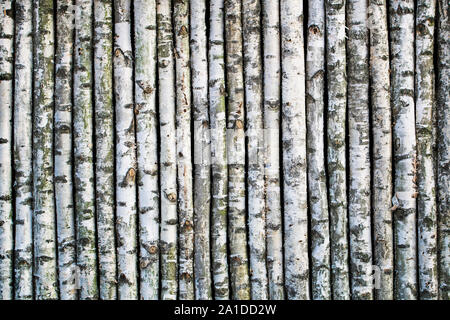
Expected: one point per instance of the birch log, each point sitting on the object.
(237, 232)
(44, 226)
(382, 149)
(359, 208)
(67, 272)
(404, 137)
(104, 147)
(272, 80)
(125, 153)
(6, 138)
(218, 151)
(426, 201)
(169, 263)
(251, 25)
(202, 151)
(147, 146)
(317, 181)
(336, 130)
(443, 172)
(83, 151)
(294, 151)
(23, 163)
(184, 158)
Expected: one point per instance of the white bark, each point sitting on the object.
(218, 151)
(125, 153)
(6, 137)
(272, 81)
(169, 263)
(23, 163)
(147, 146)
(63, 151)
(294, 151)
(317, 180)
(404, 138)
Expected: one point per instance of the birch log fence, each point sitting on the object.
(225, 149)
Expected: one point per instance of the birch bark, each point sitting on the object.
(404, 137)
(336, 130)
(218, 151)
(251, 24)
(426, 200)
(443, 172)
(294, 151)
(83, 151)
(6, 137)
(125, 153)
(359, 208)
(147, 146)
(382, 149)
(169, 263)
(184, 156)
(272, 80)
(317, 181)
(63, 151)
(104, 147)
(23, 162)
(44, 224)
(202, 151)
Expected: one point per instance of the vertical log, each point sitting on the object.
(404, 137)
(184, 158)
(125, 153)
(272, 81)
(104, 148)
(218, 151)
(294, 151)
(202, 151)
(169, 263)
(23, 163)
(255, 180)
(6, 136)
(67, 259)
(336, 131)
(317, 181)
(382, 149)
(426, 200)
(147, 146)
(83, 151)
(359, 208)
(44, 226)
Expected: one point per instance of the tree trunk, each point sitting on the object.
(147, 146)
(402, 77)
(184, 158)
(317, 181)
(218, 152)
(294, 151)
(169, 265)
(255, 180)
(44, 223)
(426, 200)
(382, 149)
(104, 142)
(23, 163)
(336, 131)
(83, 151)
(271, 36)
(443, 164)
(67, 258)
(6, 136)
(202, 151)
(359, 208)
(125, 153)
